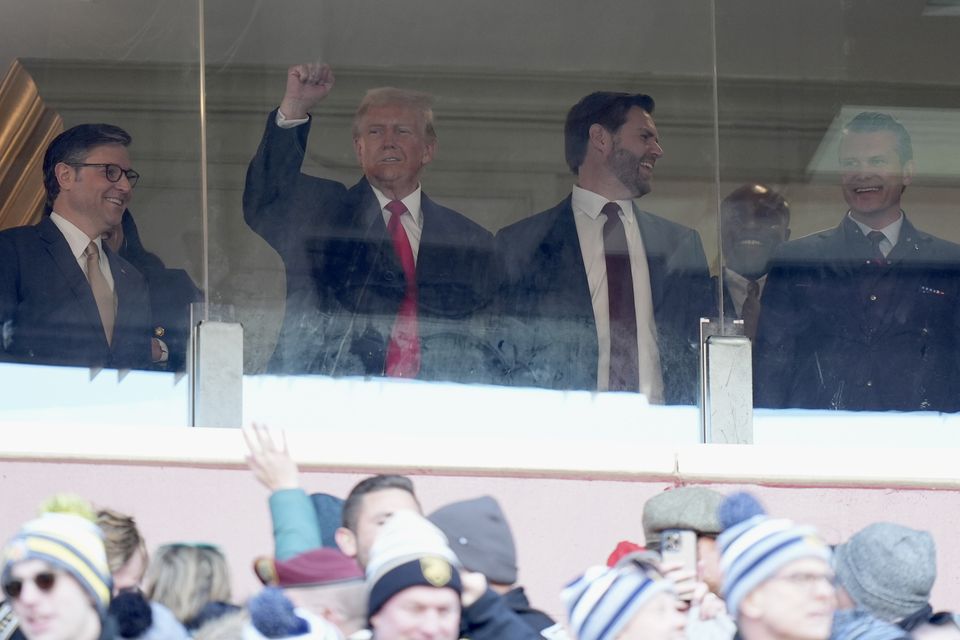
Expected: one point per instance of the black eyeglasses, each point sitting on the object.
(112, 171)
(45, 580)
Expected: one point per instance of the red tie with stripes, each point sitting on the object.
(403, 351)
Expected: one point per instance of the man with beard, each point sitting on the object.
(863, 316)
(754, 221)
(595, 293)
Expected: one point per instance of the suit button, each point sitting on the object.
(389, 276)
(873, 298)
(869, 383)
(924, 332)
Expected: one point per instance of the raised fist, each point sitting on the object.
(307, 85)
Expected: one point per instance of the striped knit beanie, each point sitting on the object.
(67, 542)
(603, 600)
(753, 547)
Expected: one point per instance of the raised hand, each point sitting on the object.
(307, 86)
(272, 466)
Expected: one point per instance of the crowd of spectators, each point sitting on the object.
(374, 565)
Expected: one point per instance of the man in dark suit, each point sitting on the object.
(66, 298)
(863, 316)
(172, 291)
(595, 293)
(754, 221)
(380, 279)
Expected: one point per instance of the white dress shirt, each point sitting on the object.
(737, 287)
(891, 233)
(78, 242)
(589, 221)
(412, 224)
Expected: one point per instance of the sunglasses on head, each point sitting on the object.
(44, 581)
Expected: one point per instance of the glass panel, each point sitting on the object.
(819, 103)
(132, 64)
(314, 271)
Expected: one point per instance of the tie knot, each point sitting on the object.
(91, 251)
(753, 288)
(612, 209)
(876, 237)
(396, 207)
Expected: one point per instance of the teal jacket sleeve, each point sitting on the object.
(295, 527)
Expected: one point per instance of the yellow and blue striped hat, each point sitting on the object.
(67, 542)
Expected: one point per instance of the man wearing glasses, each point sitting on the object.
(777, 580)
(56, 578)
(65, 297)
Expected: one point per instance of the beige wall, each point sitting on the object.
(190, 485)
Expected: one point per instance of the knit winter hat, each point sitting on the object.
(857, 624)
(753, 547)
(272, 615)
(329, 510)
(693, 508)
(409, 551)
(70, 543)
(888, 569)
(603, 600)
(479, 534)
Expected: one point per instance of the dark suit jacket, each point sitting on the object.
(836, 333)
(47, 311)
(344, 281)
(171, 293)
(545, 316)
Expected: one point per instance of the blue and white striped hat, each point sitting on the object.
(603, 600)
(753, 547)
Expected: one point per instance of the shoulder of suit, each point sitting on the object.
(667, 226)
(454, 219)
(538, 223)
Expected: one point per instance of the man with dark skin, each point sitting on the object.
(754, 220)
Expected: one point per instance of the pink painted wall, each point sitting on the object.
(561, 525)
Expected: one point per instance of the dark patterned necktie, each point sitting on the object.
(624, 358)
(876, 237)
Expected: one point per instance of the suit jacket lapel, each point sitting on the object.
(121, 285)
(567, 259)
(653, 246)
(60, 253)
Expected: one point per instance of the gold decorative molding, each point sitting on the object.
(27, 126)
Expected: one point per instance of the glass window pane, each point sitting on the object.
(131, 65)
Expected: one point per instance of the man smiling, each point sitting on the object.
(55, 575)
(863, 316)
(65, 297)
(595, 293)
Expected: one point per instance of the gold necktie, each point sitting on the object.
(106, 303)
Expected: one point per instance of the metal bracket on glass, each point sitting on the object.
(215, 367)
(726, 383)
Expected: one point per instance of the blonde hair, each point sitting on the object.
(420, 102)
(186, 577)
(120, 537)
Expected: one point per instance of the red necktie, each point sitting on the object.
(403, 352)
(624, 354)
